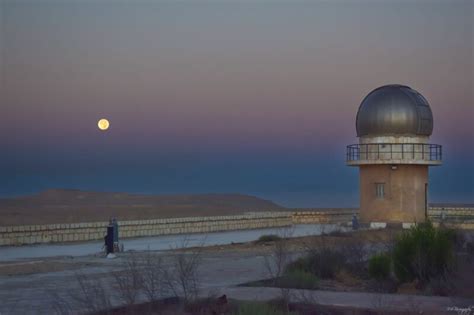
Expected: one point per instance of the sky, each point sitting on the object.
(252, 97)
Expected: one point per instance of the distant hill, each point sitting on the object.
(70, 205)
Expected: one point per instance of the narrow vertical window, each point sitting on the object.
(380, 190)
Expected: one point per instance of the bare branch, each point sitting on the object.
(92, 294)
(183, 278)
(128, 281)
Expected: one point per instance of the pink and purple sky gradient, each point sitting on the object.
(252, 97)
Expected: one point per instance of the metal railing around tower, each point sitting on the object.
(394, 151)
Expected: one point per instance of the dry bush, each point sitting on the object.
(347, 278)
(355, 256)
(152, 276)
(325, 259)
(276, 262)
(441, 285)
(387, 240)
(280, 255)
(183, 278)
(93, 295)
(321, 259)
(128, 282)
(141, 275)
(60, 305)
(298, 279)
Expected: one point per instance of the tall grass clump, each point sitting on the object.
(379, 266)
(423, 253)
(298, 279)
(323, 263)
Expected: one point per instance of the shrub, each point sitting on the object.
(298, 279)
(470, 248)
(268, 238)
(356, 256)
(459, 240)
(324, 263)
(379, 266)
(254, 308)
(440, 285)
(422, 253)
(346, 277)
(302, 264)
(337, 233)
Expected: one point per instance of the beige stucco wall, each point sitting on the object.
(404, 199)
(52, 233)
(56, 233)
(322, 217)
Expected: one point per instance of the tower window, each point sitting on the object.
(380, 190)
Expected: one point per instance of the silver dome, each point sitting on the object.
(394, 110)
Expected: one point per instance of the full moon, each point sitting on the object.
(103, 124)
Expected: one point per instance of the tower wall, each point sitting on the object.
(405, 193)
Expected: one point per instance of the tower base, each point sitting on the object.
(393, 193)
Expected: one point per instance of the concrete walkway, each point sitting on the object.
(157, 243)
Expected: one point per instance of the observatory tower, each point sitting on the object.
(393, 124)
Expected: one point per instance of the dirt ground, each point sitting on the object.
(12, 269)
(296, 244)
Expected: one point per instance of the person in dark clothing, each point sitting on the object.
(355, 222)
(109, 239)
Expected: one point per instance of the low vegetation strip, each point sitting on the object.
(422, 260)
(268, 238)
